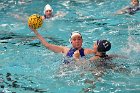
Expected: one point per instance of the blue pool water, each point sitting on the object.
(26, 66)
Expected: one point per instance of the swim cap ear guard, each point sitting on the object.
(70, 40)
(73, 34)
(103, 45)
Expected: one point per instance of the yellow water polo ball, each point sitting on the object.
(35, 21)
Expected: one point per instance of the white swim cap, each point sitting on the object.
(47, 7)
(75, 33)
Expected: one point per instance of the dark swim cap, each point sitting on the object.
(103, 45)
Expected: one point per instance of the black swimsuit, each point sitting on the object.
(47, 17)
(132, 9)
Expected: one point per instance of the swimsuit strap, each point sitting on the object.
(72, 50)
(82, 52)
(45, 16)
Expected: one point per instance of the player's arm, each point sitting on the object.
(54, 48)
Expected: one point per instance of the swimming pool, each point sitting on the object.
(26, 66)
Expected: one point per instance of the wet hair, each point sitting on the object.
(103, 46)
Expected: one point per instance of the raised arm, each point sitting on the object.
(54, 48)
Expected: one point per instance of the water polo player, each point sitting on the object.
(76, 40)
